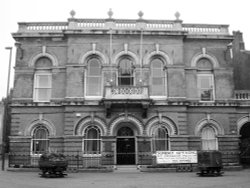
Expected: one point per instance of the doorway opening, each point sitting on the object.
(245, 144)
(125, 146)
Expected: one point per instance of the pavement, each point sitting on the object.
(126, 178)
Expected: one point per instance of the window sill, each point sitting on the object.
(158, 97)
(206, 101)
(35, 155)
(93, 98)
(92, 155)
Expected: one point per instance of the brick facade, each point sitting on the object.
(70, 110)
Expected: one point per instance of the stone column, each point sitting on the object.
(144, 156)
(108, 150)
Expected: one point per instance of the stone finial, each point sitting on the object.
(177, 15)
(140, 14)
(72, 13)
(110, 13)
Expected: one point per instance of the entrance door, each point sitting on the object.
(125, 151)
(245, 144)
(125, 146)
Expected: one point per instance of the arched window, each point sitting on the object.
(205, 80)
(92, 140)
(94, 77)
(126, 72)
(158, 80)
(209, 139)
(160, 138)
(43, 62)
(40, 140)
(205, 64)
(42, 80)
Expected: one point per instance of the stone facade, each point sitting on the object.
(187, 51)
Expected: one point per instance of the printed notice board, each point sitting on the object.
(170, 157)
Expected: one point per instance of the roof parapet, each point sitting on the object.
(122, 24)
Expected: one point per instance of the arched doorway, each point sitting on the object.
(125, 146)
(245, 144)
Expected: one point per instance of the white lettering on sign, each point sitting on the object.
(169, 157)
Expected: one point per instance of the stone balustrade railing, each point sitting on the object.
(126, 92)
(122, 24)
(205, 28)
(42, 26)
(242, 94)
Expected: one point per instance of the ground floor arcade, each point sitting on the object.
(127, 138)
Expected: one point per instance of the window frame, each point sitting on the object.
(211, 80)
(132, 76)
(98, 139)
(87, 76)
(36, 87)
(207, 140)
(164, 78)
(39, 139)
(167, 139)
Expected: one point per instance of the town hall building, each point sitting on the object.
(116, 91)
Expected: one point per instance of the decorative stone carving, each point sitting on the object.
(110, 13)
(177, 15)
(140, 14)
(72, 13)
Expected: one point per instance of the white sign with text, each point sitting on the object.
(170, 157)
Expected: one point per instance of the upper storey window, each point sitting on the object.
(42, 80)
(206, 87)
(42, 86)
(94, 77)
(158, 79)
(125, 72)
(205, 80)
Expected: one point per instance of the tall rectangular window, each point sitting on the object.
(94, 78)
(206, 87)
(42, 87)
(126, 72)
(157, 78)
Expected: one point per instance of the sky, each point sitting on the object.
(236, 14)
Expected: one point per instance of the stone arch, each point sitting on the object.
(164, 121)
(126, 53)
(241, 122)
(160, 54)
(84, 57)
(210, 57)
(123, 118)
(50, 126)
(53, 59)
(204, 122)
(83, 123)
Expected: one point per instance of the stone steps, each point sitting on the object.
(126, 169)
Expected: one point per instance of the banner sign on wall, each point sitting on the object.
(170, 157)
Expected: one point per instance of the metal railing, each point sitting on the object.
(74, 161)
